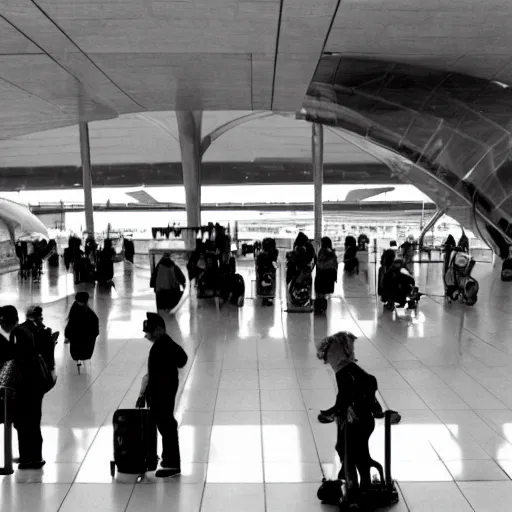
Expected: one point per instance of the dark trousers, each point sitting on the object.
(163, 411)
(27, 421)
(358, 451)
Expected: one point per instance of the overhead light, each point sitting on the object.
(501, 84)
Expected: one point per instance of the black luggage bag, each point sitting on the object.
(135, 442)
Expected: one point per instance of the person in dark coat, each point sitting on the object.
(168, 281)
(20, 347)
(82, 328)
(159, 388)
(302, 259)
(44, 339)
(326, 268)
(350, 257)
(106, 263)
(129, 249)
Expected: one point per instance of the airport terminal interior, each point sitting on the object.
(143, 123)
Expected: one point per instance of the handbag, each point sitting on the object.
(10, 375)
(45, 377)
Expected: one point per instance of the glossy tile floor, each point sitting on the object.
(249, 436)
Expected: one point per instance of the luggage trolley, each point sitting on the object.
(382, 491)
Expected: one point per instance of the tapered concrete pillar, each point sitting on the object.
(318, 177)
(189, 130)
(85, 153)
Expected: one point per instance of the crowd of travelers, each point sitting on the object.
(27, 360)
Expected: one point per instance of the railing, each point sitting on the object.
(5, 403)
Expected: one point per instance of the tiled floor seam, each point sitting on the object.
(464, 496)
(213, 420)
(261, 417)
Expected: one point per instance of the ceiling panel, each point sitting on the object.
(304, 26)
(262, 70)
(470, 36)
(25, 15)
(94, 9)
(22, 112)
(182, 81)
(293, 75)
(42, 77)
(133, 138)
(223, 26)
(12, 41)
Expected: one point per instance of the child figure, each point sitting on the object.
(354, 409)
(159, 388)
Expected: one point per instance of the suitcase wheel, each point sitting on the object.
(112, 468)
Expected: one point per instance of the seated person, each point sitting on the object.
(398, 285)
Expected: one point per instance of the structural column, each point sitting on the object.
(318, 178)
(189, 129)
(85, 153)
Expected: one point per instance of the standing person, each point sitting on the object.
(106, 263)
(19, 346)
(354, 409)
(44, 339)
(129, 249)
(159, 388)
(407, 253)
(350, 256)
(82, 328)
(168, 282)
(326, 269)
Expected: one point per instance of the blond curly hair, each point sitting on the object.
(344, 340)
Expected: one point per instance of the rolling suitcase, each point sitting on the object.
(135, 442)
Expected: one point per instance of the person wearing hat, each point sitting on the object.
(159, 388)
(82, 328)
(17, 343)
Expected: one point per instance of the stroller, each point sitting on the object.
(458, 283)
(396, 287)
